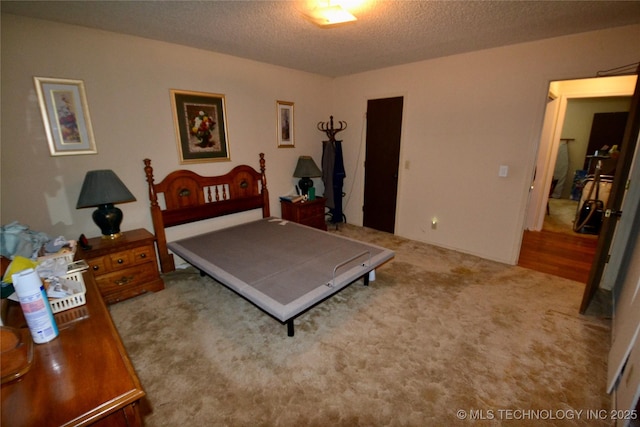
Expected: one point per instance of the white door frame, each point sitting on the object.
(545, 163)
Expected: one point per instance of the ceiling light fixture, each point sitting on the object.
(326, 16)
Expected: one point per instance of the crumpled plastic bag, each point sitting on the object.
(18, 264)
(18, 239)
(52, 267)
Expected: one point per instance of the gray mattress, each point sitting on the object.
(282, 267)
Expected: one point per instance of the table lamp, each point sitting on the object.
(102, 189)
(306, 169)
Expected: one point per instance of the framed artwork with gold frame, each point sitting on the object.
(285, 128)
(65, 114)
(200, 121)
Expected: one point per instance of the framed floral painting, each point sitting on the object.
(65, 114)
(285, 129)
(201, 126)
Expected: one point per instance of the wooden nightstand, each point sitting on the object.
(309, 213)
(123, 267)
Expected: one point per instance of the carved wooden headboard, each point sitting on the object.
(189, 197)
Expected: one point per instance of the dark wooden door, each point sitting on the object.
(607, 129)
(614, 203)
(384, 127)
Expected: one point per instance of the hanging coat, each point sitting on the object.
(328, 162)
(333, 174)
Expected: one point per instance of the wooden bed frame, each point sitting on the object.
(191, 197)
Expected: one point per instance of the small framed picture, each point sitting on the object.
(200, 121)
(65, 114)
(285, 129)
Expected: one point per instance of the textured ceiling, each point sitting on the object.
(387, 33)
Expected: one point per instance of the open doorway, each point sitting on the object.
(591, 125)
(566, 131)
(560, 94)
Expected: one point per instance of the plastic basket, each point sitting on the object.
(72, 301)
(68, 256)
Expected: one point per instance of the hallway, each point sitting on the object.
(557, 249)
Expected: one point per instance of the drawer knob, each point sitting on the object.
(96, 268)
(143, 255)
(120, 261)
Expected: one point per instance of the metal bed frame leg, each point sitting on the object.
(290, 327)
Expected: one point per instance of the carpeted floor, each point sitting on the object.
(439, 339)
(561, 216)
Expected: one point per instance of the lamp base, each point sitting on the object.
(305, 184)
(108, 218)
(111, 236)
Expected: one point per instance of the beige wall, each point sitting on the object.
(127, 80)
(464, 116)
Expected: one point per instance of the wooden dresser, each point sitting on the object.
(82, 377)
(123, 267)
(309, 213)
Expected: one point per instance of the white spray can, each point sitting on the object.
(35, 305)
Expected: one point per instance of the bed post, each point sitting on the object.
(166, 259)
(265, 192)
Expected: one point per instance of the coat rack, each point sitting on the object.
(333, 172)
(327, 127)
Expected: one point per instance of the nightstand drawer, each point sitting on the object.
(130, 277)
(98, 266)
(314, 209)
(309, 213)
(120, 260)
(144, 253)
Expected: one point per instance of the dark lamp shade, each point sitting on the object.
(306, 168)
(102, 187)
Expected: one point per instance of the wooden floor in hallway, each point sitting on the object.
(559, 254)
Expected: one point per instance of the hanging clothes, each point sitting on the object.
(561, 169)
(333, 175)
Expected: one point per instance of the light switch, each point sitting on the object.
(504, 171)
